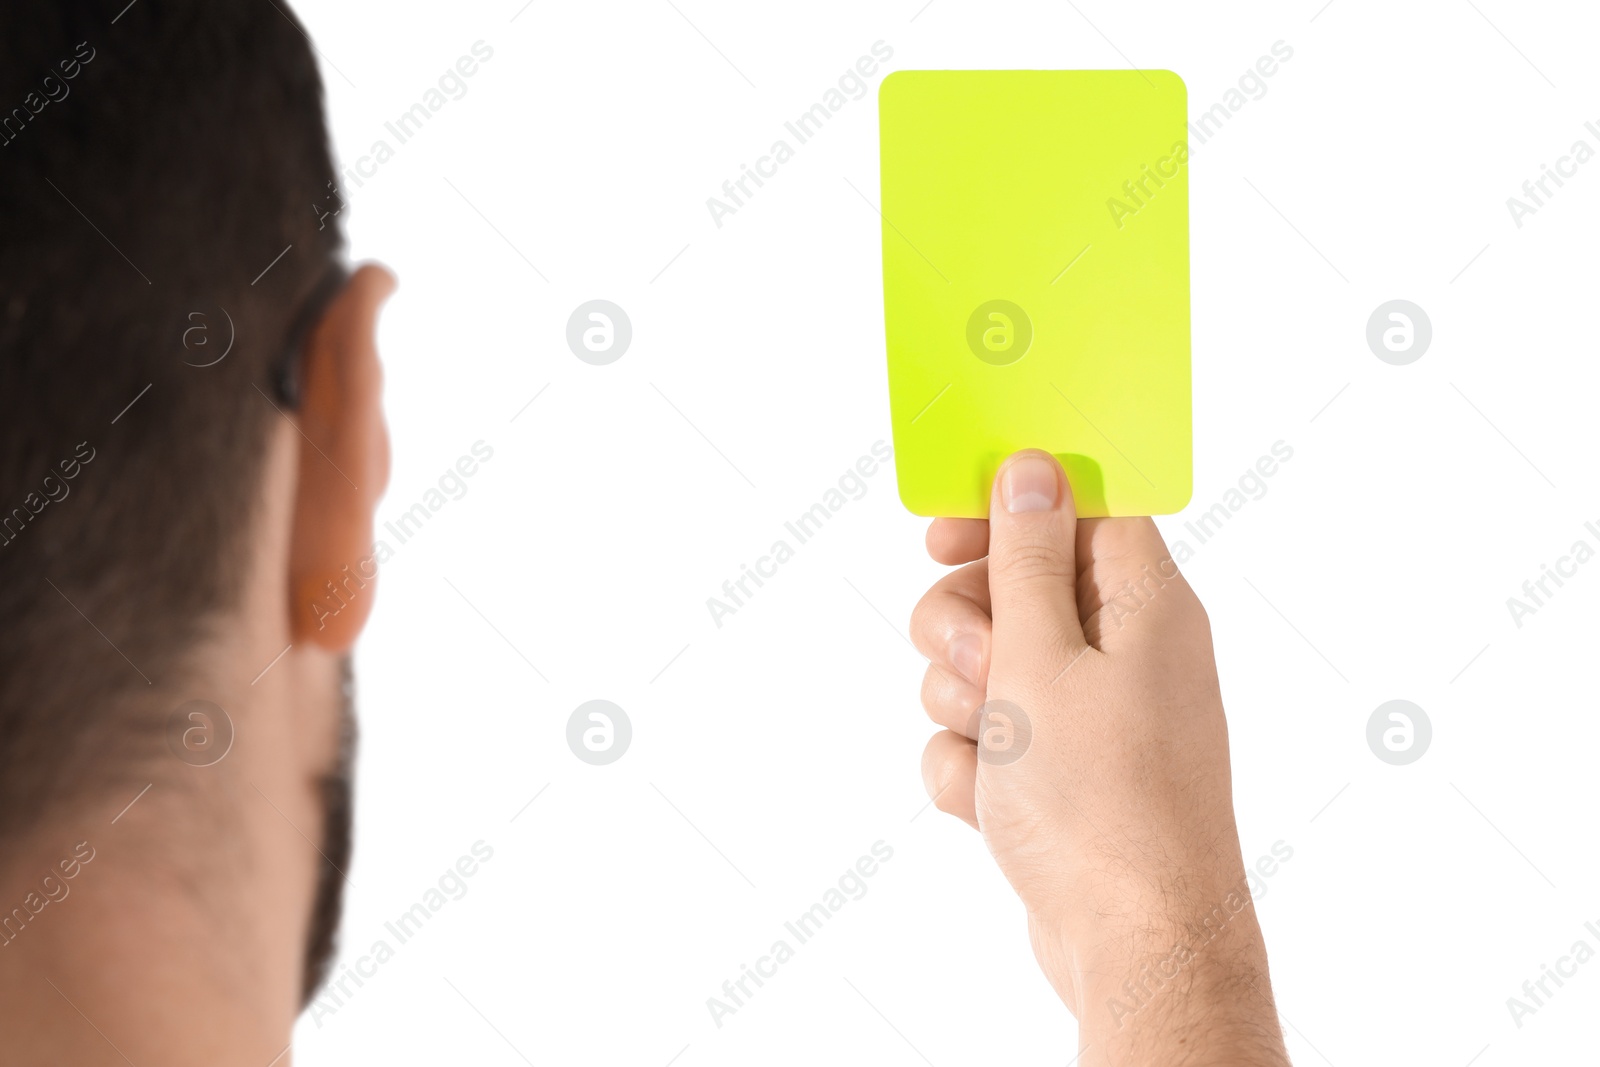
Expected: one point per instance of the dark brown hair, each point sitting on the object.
(164, 194)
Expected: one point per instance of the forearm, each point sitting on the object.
(1187, 989)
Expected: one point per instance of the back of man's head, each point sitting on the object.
(162, 164)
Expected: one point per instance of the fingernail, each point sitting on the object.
(966, 656)
(1030, 484)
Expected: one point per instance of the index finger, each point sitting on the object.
(957, 541)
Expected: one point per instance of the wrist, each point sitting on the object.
(1186, 980)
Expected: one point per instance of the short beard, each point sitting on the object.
(337, 788)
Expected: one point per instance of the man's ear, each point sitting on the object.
(344, 467)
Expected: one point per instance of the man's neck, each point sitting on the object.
(159, 938)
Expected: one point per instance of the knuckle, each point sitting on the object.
(1054, 664)
(922, 620)
(1183, 610)
(947, 702)
(940, 615)
(1032, 562)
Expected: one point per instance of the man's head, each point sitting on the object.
(191, 448)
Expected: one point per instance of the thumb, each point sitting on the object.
(1032, 565)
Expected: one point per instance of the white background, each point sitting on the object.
(769, 754)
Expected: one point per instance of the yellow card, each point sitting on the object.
(1036, 283)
